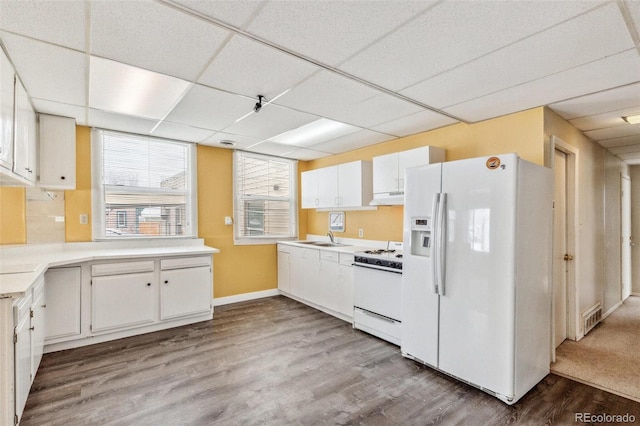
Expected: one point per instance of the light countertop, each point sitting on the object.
(20, 266)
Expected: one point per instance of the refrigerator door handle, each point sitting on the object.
(442, 240)
(435, 233)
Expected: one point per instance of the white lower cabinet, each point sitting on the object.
(28, 314)
(62, 298)
(186, 287)
(322, 278)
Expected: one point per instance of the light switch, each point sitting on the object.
(58, 219)
(84, 219)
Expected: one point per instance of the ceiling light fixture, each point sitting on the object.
(227, 142)
(632, 119)
(315, 132)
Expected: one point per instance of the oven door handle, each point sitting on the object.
(363, 265)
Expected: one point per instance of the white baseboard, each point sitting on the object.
(219, 301)
(610, 311)
(635, 294)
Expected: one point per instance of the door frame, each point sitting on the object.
(572, 154)
(625, 262)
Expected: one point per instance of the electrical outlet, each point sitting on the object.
(228, 220)
(360, 233)
(84, 219)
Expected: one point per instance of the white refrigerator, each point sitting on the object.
(476, 283)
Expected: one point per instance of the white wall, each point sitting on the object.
(612, 290)
(634, 173)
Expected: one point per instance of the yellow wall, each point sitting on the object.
(521, 132)
(13, 216)
(238, 269)
(79, 201)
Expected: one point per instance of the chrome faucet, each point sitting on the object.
(330, 234)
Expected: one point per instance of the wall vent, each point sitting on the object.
(591, 317)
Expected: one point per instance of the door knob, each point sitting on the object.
(568, 257)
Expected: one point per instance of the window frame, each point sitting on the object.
(293, 203)
(98, 208)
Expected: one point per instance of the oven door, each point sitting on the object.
(378, 291)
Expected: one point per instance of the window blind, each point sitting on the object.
(265, 201)
(146, 186)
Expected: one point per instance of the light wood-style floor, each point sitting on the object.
(275, 361)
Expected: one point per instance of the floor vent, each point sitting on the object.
(591, 317)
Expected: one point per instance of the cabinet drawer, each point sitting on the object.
(329, 256)
(346, 259)
(21, 307)
(122, 268)
(185, 262)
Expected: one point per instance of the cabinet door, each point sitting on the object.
(350, 184)
(25, 135)
(119, 301)
(185, 292)
(62, 298)
(344, 293)
(22, 354)
(328, 281)
(310, 276)
(328, 186)
(309, 190)
(284, 275)
(7, 85)
(57, 167)
(37, 327)
(385, 174)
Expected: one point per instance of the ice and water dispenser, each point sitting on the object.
(421, 236)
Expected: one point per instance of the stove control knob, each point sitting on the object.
(379, 262)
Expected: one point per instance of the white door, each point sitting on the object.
(560, 247)
(477, 301)
(626, 237)
(420, 303)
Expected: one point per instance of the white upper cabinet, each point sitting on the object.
(7, 84)
(388, 172)
(25, 136)
(344, 186)
(57, 152)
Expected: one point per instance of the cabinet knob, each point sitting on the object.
(62, 177)
(32, 328)
(44, 306)
(166, 281)
(148, 284)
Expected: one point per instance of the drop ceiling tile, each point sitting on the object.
(352, 141)
(415, 123)
(252, 69)
(270, 121)
(153, 36)
(607, 119)
(305, 154)
(64, 78)
(331, 31)
(452, 33)
(126, 89)
(241, 142)
(123, 123)
(271, 148)
(63, 110)
(209, 108)
(181, 132)
(601, 102)
(61, 23)
(341, 99)
(623, 141)
(582, 40)
(235, 13)
(623, 130)
(600, 75)
(626, 149)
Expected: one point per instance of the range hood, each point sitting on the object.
(388, 199)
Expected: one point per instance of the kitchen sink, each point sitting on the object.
(322, 243)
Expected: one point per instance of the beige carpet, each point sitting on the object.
(608, 357)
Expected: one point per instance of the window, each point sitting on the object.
(144, 187)
(265, 203)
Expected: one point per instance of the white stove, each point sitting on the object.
(386, 260)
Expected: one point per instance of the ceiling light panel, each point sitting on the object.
(153, 36)
(315, 132)
(123, 123)
(331, 31)
(248, 68)
(126, 89)
(60, 23)
(181, 132)
(415, 123)
(339, 98)
(209, 108)
(585, 39)
(235, 13)
(306, 154)
(422, 48)
(270, 121)
(48, 72)
(601, 102)
(632, 118)
(612, 71)
(352, 141)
